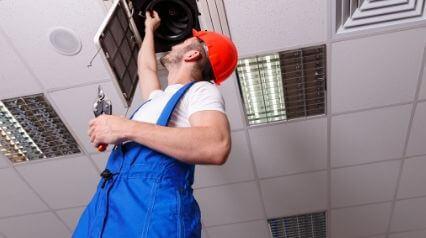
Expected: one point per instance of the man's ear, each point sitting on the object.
(192, 56)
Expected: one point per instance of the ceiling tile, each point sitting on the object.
(410, 234)
(100, 159)
(409, 214)
(31, 38)
(237, 168)
(423, 84)
(230, 203)
(76, 106)
(416, 143)
(360, 184)
(44, 225)
(233, 102)
(293, 195)
(253, 36)
(62, 183)
(413, 178)
(361, 221)
(290, 147)
(383, 69)
(255, 229)
(4, 163)
(70, 216)
(15, 78)
(16, 197)
(369, 136)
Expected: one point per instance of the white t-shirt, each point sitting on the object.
(199, 97)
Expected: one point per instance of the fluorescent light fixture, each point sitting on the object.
(30, 129)
(283, 85)
(307, 225)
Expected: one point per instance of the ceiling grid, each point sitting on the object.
(413, 111)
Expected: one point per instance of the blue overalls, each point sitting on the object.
(143, 193)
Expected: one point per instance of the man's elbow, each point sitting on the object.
(221, 152)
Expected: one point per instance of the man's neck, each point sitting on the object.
(179, 77)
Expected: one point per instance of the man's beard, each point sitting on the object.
(170, 59)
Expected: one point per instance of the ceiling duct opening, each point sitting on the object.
(284, 85)
(178, 18)
(30, 129)
(352, 15)
(311, 225)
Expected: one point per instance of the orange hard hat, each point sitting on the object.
(222, 53)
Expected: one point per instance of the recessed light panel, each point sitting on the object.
(283, 85)
(307, 225)
(30, 129)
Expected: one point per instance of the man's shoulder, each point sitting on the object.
(203, 87)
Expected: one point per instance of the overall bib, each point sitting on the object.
(143, 193)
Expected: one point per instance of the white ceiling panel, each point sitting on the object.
(62, 183)
(361, 221)
(70, 216)
(28, 23)
(361, 184)
(4, 163)
(413, 178)
(416, 143)
(269, 25)
(15, 79)
(423, 85)
(76, 106)
(16, 197)
(290, 147)
(383, 69)
(255, 229)
(409, 215)
(237, 168)
(233, 106)
(369, 136)
(44, 225)
(101, 159)
(229, 204)
(293, 195)
(410, 234)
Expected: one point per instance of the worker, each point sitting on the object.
(145, 190)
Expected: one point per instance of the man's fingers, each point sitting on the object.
(156, 16)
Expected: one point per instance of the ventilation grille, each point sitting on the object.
(118, 43)
(300, 226)
(284, 85)
(30, 129)
(359, 14)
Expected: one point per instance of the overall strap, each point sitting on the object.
(165, 116)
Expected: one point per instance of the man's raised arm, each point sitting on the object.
(147, 63)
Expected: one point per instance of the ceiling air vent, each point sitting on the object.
(360, 14)
(30, 129)
(120, 45)
(301, 226)
(284, 85)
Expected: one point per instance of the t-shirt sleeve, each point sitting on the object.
(204, 96)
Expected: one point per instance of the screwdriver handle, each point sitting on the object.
(102, 147)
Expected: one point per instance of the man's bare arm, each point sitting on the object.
(207, 141)
(147, 63)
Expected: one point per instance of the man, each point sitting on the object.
(146, 187)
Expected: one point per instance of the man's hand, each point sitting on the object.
(107, 129)
(152, 21)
